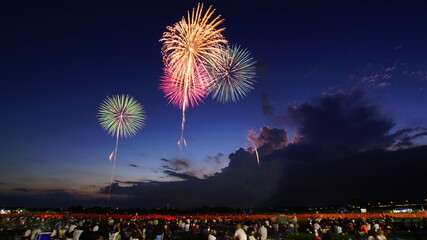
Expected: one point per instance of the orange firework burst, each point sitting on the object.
(187, 47)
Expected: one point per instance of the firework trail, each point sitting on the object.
(120, 116)
(178, 96)
(187, 46)
(252, 139)
(233, 74)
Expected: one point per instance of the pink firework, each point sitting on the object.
(181, 93)
(184, 92)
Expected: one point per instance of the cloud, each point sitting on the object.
(56, 193)
(216, 160)
(321, 183)
(342, 120)
(177, 164)
(280, 182)
(261, 67)
(269, 139)
(20, 189)
(186, 169)
(398, 47)
(54, 198)
(405, 138)
(344, 143)
(33, 160)
(384, 75)
(267, 109)
(342, 140)
(183, 176)
(134, 165)
(131, 182)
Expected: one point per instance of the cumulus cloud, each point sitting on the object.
(343, 142)
(335, 133)
(268, 139)
(183, 168)
(343, 120)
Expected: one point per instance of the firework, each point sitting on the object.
(233, 74)
(187, 46)
(175, 93)
(120, 116)
(252, 139)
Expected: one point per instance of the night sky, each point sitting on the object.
(340, 102)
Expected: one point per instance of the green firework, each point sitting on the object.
(121, 115)
(233, 75)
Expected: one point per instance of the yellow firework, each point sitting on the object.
(192, 41)
(187, 47)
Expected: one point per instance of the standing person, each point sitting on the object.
(276, 228)
(263, 232)
(158, 230)
(295, 220)
(240, 234)
(187, 226)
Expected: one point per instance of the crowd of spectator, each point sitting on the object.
(29, 227)
(363, 228)
(71, 228)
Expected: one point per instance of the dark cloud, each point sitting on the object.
(45, 199)
(261, 67)
(269, 139)
(344, 120)
(21, 190)
(317, 183)
(186, 169)
(134, 165)
(267, 109)
(33, 160)
(56, 193)
(405, 138)
(183, 176)
(177, 164)
(279, 181)
(343, 148)
(131, 182)
(343, 141)
(217, 159)
(419, 135)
